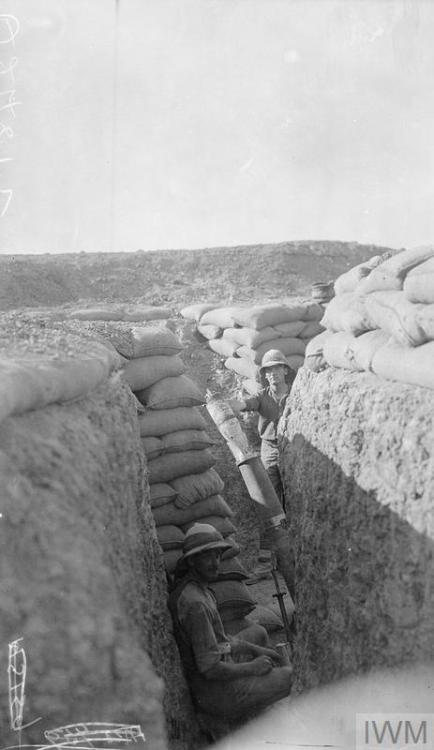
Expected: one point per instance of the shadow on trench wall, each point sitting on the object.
(364, 575)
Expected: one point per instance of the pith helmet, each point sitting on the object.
(273, 357)
(201, 537)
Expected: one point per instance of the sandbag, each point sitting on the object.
(138, 406)
(311, 329)
(210, 331)
(234, 549)
(143, 372)
(312, 310)
(348, 281)
(425, 319)
(162, 421)
(170, 537)
(242, 366)
(161, 493)
(364, 347)
(314, 354)
(419, 283)
(286, 346)
(413, 365)
(197, 311)
(171, 559)
(223, 346)
(295, 361)
(252, 387)
(224, 525)
(338, 351)
(270, 314)
(394, 314)
(231, 570)
(250, 337)
(153, 342)
(390, 275)
(220, 316)
(152, 446)
(211, 506)
(145, 312)
(172, 392)
(347, 312)
(103, 312)
(233, 599)
(267, 618)
(172, 465)
(195, 487)
(33, 382)
(186, 440)
(291, 329)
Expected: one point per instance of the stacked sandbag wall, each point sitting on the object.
(358, 469)
(382, 321)
(185, 488)
(242, 335)
(83, 580)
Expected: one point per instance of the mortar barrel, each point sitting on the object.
(230, 428)
(259, 485)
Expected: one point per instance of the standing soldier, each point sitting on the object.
(277, 378)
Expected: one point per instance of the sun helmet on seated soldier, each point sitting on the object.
(201, 537)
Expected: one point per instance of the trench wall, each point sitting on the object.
(82, 579)
(358, 468)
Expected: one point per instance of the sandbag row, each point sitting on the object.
(409, 323)
(410, 271)
(377, 326)
(375, 352)
(256, 317)
(120, 312)
(32, 380)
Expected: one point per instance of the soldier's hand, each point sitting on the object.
(271, 653)
(261, 665)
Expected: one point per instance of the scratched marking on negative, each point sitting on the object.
(17, 668)
(82, 736)
(89, 735)
(9, 28)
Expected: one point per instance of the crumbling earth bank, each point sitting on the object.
(82, 576)
(359, 474)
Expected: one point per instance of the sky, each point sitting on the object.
(156, 124)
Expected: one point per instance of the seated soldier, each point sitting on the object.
(229, 677)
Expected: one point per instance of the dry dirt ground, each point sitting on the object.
(177, 277)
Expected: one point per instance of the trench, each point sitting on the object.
(84, 583)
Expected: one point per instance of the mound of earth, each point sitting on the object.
(176, 277)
